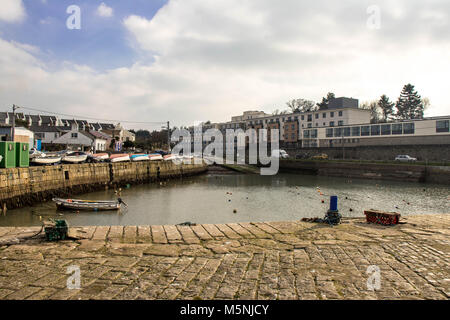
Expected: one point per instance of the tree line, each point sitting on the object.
(409, 105)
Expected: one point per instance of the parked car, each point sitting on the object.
(405, 158)
(322, 156)
(280, 154)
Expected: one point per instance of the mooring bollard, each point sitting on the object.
(333, 216)
(333, 204)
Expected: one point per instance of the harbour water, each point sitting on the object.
(221, 198)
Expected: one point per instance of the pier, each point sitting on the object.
(272, 260)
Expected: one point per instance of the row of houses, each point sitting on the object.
(51, 132)
(342, 123)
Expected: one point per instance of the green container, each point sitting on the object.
(8, 153)
(22, 155)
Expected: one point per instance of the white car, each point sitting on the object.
(405, 158)
(280, 154)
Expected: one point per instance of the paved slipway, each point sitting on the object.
(273, 260)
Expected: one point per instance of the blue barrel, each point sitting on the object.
(334, 203)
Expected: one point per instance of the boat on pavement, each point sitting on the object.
(46, 160)
(119, 157)
(155, 157)
(75, 157)
(139, 157)
(98, 157)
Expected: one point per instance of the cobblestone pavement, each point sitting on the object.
(278, 260)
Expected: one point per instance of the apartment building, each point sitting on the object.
(428, 131)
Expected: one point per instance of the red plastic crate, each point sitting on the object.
(384, 218)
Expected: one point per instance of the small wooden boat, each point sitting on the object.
(170, 157)
(155, 157)
(46, 160)
(139, 157)
(100, 156)
(75, 157)
(119, 157)
(90, 205)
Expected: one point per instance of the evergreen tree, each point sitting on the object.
(386, 108)
(325, 101)
(409, 104)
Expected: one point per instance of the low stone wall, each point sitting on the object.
(401, 172)
(431, 153)
(26, 186)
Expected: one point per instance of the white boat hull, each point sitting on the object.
(74, 159)
(121, 159)
(140, 158)
(46, 160)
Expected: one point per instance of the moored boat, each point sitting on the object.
(91, 205)
(119, 157)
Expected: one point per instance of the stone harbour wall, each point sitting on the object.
(399, 172)
(26, 186)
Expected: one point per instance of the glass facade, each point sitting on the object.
(442, 126)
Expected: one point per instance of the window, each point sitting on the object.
(314, 133)
(332, 114)
(375, 130)
(293, 136)
(347, 132)
(331, 123)
(74, 135)
(408, 128)
(337, 132)
(309, 125)
(324, 115)
(385, 129)
(329, 133)
(340, 113)
(356, 131)
(303, 117)
(397, 128)
(317, 116)
(340, 123)
(293, 127)
(317, 124)
(309, 117)
(306, 133)
(324, 124)
(365, 131)
(442, 126)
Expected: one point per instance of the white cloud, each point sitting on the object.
(12, 11)
(212, 61)
(104, 11)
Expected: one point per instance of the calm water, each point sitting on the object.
(204, 199)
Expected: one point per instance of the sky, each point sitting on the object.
(198, 60)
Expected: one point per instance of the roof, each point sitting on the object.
(92, 135)
(35, 128)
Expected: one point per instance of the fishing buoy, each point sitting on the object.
(234, 211)
(323, 201)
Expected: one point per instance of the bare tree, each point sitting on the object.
(301, 105)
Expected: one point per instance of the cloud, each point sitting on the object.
(104, 11)
(209, 61)
(12, 11)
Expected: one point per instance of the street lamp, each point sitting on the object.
(14, 122)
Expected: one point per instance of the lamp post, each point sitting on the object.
(14, 122)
